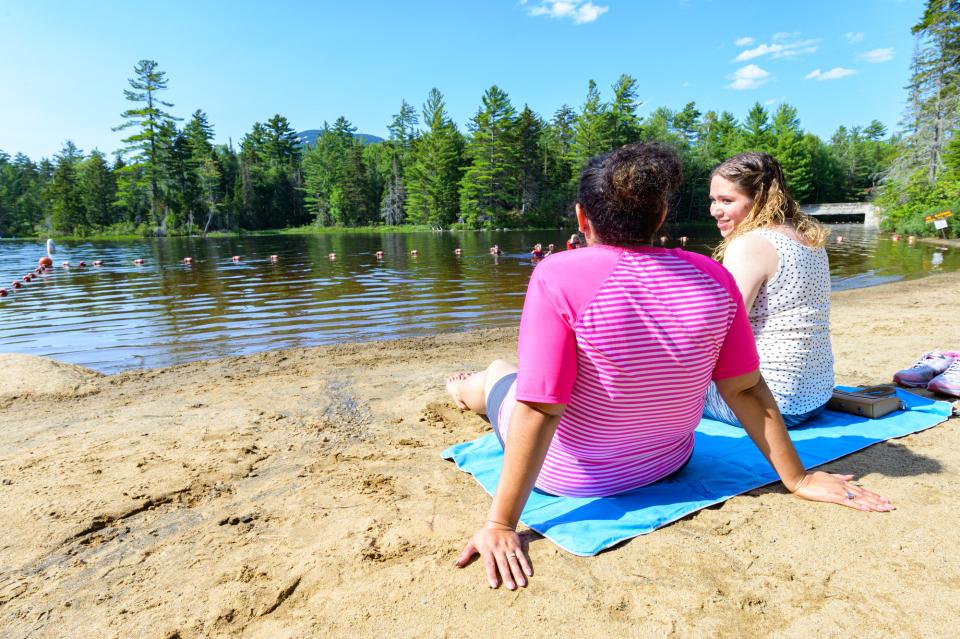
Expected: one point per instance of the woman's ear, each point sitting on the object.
(586, 228)
(582, 222)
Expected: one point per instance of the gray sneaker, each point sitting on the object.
(947, 382)
(927, 367)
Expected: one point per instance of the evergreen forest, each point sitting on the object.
(509, 167)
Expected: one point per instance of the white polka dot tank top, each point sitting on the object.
(791, 324)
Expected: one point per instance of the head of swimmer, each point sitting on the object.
(623, 195)
(749, 191)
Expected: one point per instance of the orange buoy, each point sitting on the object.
(3, 292)
(27, 278)
(16, 284)
(379, 255)
(188, 260)
(138, 261)
(46, 261)
(274, 258)
(82, 264)
(235, 258)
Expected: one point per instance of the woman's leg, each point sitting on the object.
(793, 421)
(470, 391)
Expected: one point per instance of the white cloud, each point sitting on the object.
(833, 74)
(748, 77)
(744, 41)
(580, 11)
(770, 101)
(779, 50)
(877, 56)
(854, 37)
(783, 35)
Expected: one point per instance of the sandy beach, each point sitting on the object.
(301, 493)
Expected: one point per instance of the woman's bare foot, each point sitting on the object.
(453, 387)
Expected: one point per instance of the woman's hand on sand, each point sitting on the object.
(840, 489)
(503, 555)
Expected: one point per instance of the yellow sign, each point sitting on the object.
(942, 215)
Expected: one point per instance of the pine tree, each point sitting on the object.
(66, 195)
(403, 135)
(686, 123)
(529, 131)
(435, 171)
(756, 129)
(147, 120)
(625, 125)
(206, 168)
(281, 153)
(99, 190)
(592, 134)
(392, 209)
(935, 85)
(560, 182)
(489, 188)
(403, 127)
(790, 151)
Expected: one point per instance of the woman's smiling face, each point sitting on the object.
(728, 205)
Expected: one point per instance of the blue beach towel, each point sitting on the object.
(725, 463)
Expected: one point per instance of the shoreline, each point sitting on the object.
(301, 492)
(940, 241)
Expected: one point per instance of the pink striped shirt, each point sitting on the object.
(629, 340)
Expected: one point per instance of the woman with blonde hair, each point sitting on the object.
(776, 255)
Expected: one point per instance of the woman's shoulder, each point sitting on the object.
(752, 253)
(777, 234)
(707, 265)
(558, 265)
(753, 243)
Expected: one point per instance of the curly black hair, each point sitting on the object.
(625, 193)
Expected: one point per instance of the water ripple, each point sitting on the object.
(123, 316)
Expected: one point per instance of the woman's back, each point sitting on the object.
(648, 328)
(790, 319)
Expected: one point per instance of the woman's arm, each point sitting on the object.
(755, 408)
(752, 260)
(532, 426)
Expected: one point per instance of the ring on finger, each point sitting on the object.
(511, 555)
(850, 495)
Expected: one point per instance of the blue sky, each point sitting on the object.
(64, 65)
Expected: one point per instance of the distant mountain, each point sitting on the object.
(309, 137)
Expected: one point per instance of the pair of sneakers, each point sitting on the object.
(938, 371)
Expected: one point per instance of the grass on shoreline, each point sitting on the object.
(299, 230)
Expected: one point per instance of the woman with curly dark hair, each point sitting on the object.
(618, 343)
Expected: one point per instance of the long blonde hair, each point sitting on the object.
(759, 176)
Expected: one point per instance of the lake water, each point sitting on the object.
(121, 316)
